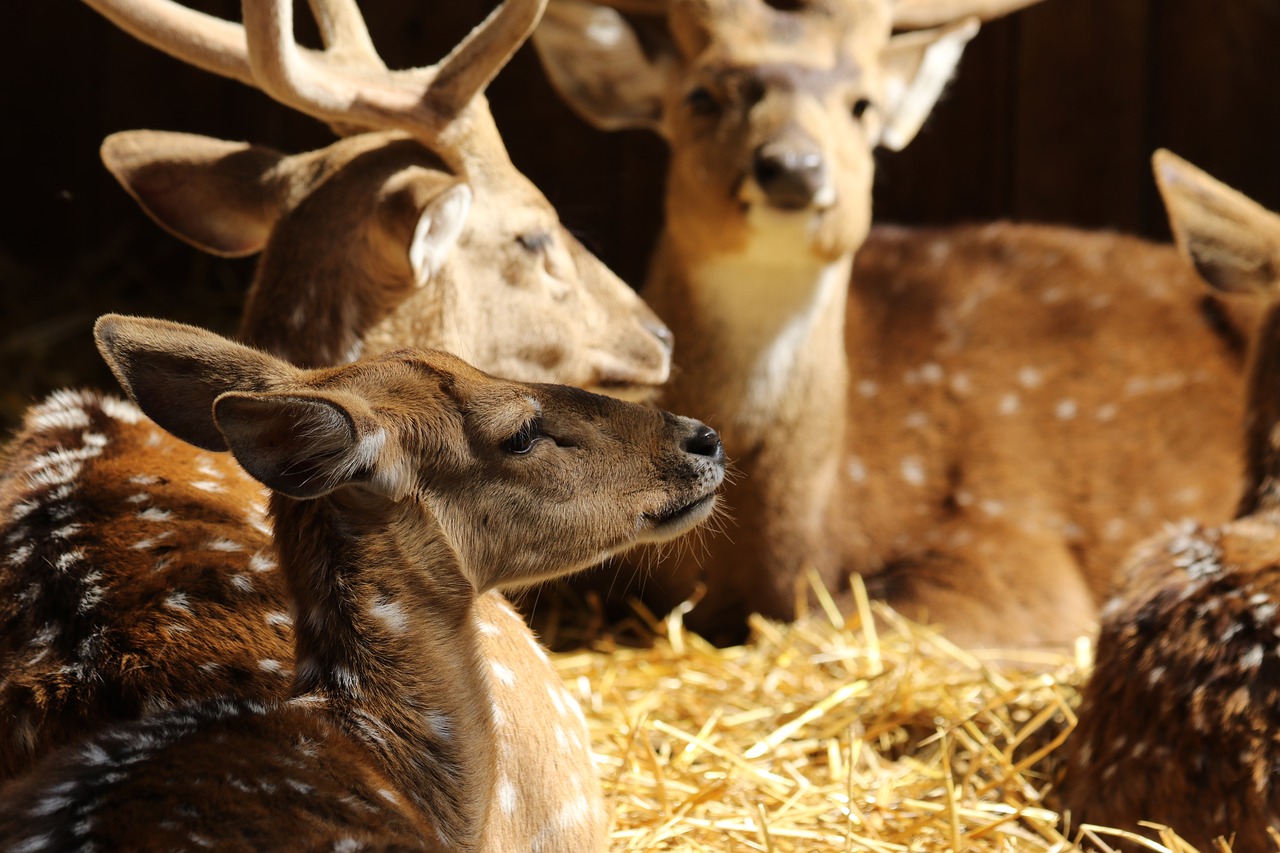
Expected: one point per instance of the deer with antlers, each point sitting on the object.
(424, 236)
(404, 490)
(984, 420)
(1179, 718)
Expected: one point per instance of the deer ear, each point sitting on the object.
(594, 59)
(437, 231)
(421, 213)
(218, 196)
(300, 446)
(175, 372)
(917, 67)
(1233, 241)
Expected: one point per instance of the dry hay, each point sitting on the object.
(826, 736)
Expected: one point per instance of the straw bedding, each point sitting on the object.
(874, 735)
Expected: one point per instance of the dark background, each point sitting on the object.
(1053, 117)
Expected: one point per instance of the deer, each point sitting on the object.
(1178, 719)
(415, 226)
(404, 489)
(373, 243)
(962, 416)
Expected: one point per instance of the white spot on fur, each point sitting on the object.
(261, 563)
(391, 615)
(242, 582)
(155, 514)
(1066, 409)
(856, 470)
(916, 420)
(503, 673)
(1252, 659)
(506, 796)
(279, 620)
(178, 601)
(120, 410)
(207, 486)
(271, 665)
(1107, 412)
(912, 469)
(1009, 404)
(225, 545)
(868, 388)
(1029, 378)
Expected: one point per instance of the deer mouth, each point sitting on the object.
(672, 522)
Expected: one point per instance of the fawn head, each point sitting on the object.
(421, 231)
(525, 481)
(771, 109)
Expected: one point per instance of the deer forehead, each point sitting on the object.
(762, 35)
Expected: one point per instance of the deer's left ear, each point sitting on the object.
(917, 67)
(305, 445)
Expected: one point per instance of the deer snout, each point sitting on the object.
(791, 177)
(704, 442)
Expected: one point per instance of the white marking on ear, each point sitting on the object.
(437, 231)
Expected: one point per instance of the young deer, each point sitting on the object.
(146, 527)
(1179, 720)
(984, 421)
(420, 230)
(404, 490)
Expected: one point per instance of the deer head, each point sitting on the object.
(771, 109)
(421, 231)
(404, 487)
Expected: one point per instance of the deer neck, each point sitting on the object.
(387, 645)
(759, 335)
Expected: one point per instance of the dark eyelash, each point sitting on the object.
(522, 442)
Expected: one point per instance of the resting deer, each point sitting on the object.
(378, 223)
(419, 230)
(404, 490)
(984, 421)
(1180, 717)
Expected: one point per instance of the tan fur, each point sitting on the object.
(1179, 719)
(399, 504)
(980, 425)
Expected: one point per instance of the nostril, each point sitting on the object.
(661, 332)
(705, 442)
(790, 178)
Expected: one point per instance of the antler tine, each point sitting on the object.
(920, 14)
(202, 40)
(478, 58)
(344, 32)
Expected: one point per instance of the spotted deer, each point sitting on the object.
(405, 490)
(978, 420)
(1180, 717)
(374, 242)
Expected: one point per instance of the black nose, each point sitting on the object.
(705, 442)
(789, 177)
(661, 332)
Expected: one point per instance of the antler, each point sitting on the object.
(346, 84)
(920, 14)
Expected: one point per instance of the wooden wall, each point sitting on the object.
(1053, 118)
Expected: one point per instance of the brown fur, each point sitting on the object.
(182, 602)
(402, 506)
(980, 426)
(1179, 719)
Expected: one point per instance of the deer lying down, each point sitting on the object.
(1180, 719)
(980, 421)
(425, 237)
(405, 489)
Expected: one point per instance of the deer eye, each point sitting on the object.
(701, 102)
(524, 439)
(860, 108)
(535, 242)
